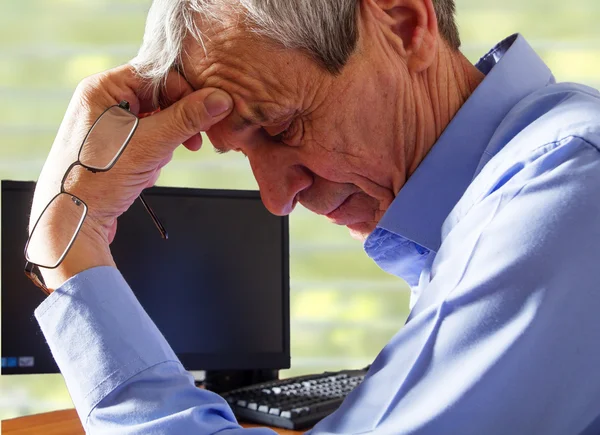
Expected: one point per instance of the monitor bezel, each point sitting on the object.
(192, 361)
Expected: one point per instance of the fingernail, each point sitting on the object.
(217, 103)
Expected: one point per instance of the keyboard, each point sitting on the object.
(293, 403)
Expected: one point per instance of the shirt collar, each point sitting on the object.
(513, 70)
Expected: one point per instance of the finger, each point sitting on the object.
(174, 88)
(156, 174)
(165, 161)
(186, 118)
(112, 232)
(194, 143)
(139, 91)
(153, 179)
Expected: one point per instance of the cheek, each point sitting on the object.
(329, 153)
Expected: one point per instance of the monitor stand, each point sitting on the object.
(220, 381)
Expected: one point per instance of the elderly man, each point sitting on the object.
(478, 185)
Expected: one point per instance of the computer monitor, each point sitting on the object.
(218, 288)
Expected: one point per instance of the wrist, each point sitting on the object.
(90, 249)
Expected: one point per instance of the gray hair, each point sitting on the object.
(324, 29)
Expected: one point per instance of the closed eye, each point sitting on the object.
(283, 132)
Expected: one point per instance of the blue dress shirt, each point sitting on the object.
(497, 233)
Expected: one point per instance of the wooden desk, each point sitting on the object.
(66, 423)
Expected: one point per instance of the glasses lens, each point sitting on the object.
(107, 138)
(55, 230)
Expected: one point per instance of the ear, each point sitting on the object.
(411, 26)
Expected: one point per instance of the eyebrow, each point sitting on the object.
(257, 116)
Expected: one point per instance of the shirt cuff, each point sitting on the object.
(99, 335)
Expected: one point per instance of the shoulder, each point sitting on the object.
(544, 130)
(550, 115)
(552, 129)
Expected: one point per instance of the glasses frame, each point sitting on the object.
(30, 266)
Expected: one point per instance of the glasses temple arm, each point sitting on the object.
(33, 276)
(155, 219)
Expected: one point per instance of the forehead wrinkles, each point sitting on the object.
(242, 66)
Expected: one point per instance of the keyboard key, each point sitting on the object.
(330, 405)
(297, 412)
(296, 403)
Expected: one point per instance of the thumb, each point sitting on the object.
(187, 117)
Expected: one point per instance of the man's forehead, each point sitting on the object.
(227, 47)
(257, 75)
(200, 60)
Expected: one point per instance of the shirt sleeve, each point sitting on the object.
(121, 373)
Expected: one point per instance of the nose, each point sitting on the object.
(279, 181)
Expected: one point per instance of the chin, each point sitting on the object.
(360, 231)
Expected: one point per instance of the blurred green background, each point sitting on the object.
(343, 308)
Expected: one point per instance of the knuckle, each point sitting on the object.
(128, 70)
(88, 83)
(192, 118)
(90, 86)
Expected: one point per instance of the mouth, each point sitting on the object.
(338, 217)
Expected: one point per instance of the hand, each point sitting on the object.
(183, 115)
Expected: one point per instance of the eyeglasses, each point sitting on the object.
(104, 143)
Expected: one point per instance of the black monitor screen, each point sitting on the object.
(218, 288)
